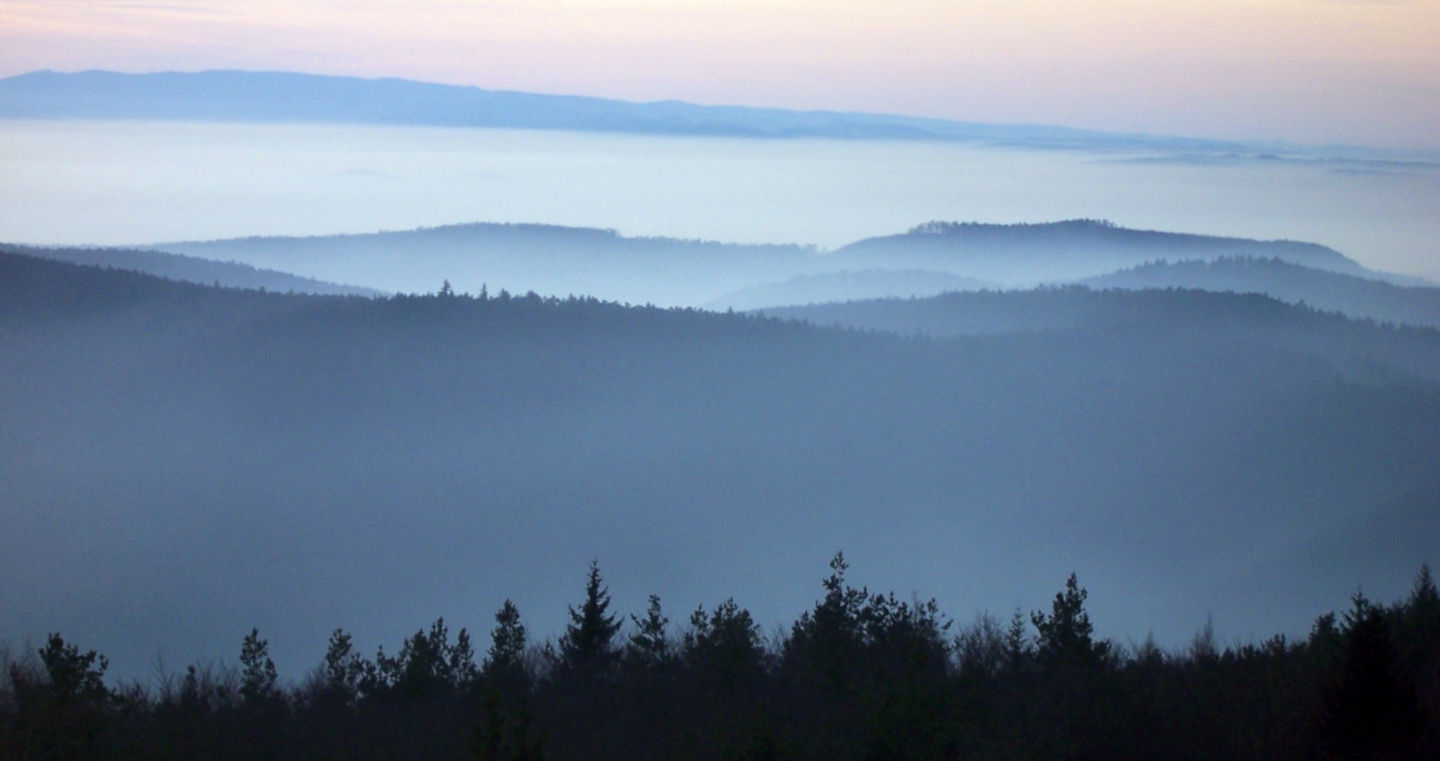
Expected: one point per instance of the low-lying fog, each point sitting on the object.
(141, 182)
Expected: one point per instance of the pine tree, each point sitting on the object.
(257, 671)
(73, 675)
(1066, 634)
(343, 667)
(588, 646)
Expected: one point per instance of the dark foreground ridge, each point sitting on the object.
(858, 676)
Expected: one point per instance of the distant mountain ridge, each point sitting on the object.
(1353, 348)
(1027, 254)
(551, 260)
(288, 97)
(1322, 289)
(559, 261)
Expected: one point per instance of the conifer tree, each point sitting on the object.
(257, 671)
(1066, 634)
(587, 647)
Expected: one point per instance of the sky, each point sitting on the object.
(1364, 72)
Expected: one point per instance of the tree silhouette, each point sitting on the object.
(648, 647)
(1066, 634)
(504, 666)
(587, 648)
(343, 668)
(73, 675)
(257, 671)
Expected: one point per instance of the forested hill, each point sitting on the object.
(173, 456)
(560, 261)
(188, 268)
(1026, 254)
(1352, 346)
(1355, 296)
(549, 259)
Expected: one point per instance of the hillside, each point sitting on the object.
(547, 259)
(1331, 291)
(188, 268)
(1353, 348)
(174, 455)
(1029, 254)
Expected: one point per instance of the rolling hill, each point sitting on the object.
(560, 261)
(547, 259)
(1029, 254)
(1322, 289)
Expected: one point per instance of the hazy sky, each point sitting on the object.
(1359, 71)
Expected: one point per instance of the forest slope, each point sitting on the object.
(1332, 291)
(182, 463)
(188, 268)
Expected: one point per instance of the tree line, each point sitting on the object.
(860, 675)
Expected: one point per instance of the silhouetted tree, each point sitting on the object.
(504, 667)
(587, 648)
(342, 670)
(1066, 634)
(649, 646)
(73, 675)
(257, 671)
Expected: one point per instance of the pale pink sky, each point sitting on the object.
(1356, 71)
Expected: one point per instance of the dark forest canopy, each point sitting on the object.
(188, 268)
(859, 675)
(847, 285)
(183, 462)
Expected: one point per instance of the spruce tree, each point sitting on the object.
(587, 648)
